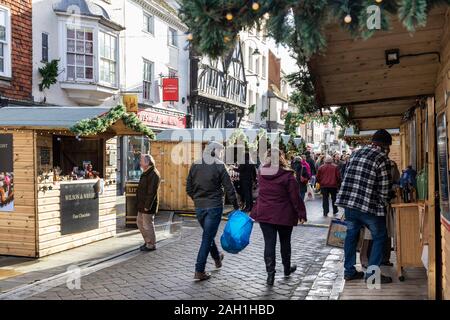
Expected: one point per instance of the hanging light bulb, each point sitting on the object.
(226, 39)
(348, 18)
(190, 36)
(255, 6)
(229, 16)
(378, 1)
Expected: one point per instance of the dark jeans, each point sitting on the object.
(326, 193)
(355, 221)
(270, 240)
(247, 194)
(209, 219)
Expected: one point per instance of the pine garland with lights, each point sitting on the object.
(298, 24)
(88, 127)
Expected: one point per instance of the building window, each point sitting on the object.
(108, 54)
(149, 23)
(172, 37)
(258, 66)
(80, 54)
(250, 58)
(264, 66)
(173, 73)
(5, 42)
(148, 78)
(44, 47)
(250, 98)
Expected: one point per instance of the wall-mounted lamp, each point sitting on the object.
(392, 56)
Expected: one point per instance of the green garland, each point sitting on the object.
(299, 24)
(88, 127)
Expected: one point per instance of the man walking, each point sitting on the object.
(205, 183)
(365, 196)
(147, 201)
(329, 179)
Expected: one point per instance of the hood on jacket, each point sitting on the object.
(272, 173)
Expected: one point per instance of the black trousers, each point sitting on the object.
(326, 193)
(247, 194)
(270, 232)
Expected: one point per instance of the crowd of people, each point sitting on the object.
(274, 197)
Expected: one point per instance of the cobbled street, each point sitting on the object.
(167, 273)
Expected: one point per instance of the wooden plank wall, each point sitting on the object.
(49, 232)
(173, 175)
(440, 105)
(395, 154)
(17, 228)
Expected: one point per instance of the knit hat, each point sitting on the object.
(382, 137)
(328, 159)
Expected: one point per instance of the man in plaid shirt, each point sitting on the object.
(364, 195)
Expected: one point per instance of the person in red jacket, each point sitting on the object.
(329, 179)
(278, 209)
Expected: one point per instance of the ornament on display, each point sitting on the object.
(229, 16)
(348, 19)
(255, 6)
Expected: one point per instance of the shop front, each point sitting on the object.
(157, 119)
(58, 176)
(398, 80)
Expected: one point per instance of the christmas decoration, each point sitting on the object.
(49, 74)
(100, 124)
(297, 24)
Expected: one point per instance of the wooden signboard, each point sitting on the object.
(131, 102)
(6, 173)
(79, 207)
(441, 127)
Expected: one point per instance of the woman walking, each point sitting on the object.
(278, 210)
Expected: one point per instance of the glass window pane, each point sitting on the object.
(80, 47)
(89, 60)
(80, 34)
(80, 72)
(89, 48)
(89, 73)
(70, 59)
(2, 33)
(89, 36)
(2, 65)
(80, 60)
(2, 52)
(70, 45)
(70, 34)
(70, 72)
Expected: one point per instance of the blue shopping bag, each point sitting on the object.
(236, 235)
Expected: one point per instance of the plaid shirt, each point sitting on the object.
(367, 182)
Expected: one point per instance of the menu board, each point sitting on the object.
(441, 127)
(6, 173)
(79, 207)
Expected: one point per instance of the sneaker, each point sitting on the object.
(356, 276)
(201, 276)
(218, 262)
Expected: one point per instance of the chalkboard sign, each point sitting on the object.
(6, 153)
(79, 207)
(45, 156)
(441, 127)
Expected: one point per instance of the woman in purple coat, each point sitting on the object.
(278, 209)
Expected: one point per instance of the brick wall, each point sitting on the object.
(19, 87)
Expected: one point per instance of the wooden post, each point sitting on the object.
(431, 200)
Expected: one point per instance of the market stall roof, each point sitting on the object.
(202, 135)
(354, 74)
(47, 117)
(83, 121)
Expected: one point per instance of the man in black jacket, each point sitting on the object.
(205, 183)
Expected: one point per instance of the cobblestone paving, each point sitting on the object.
(168, 272)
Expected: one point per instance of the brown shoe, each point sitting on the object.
(218, 262)
(202, 276)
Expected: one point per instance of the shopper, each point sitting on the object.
(247, 178)
(329, 178)
(147, 201)
(364, 195)
(278, 210)
(205, 183)
(301, 174)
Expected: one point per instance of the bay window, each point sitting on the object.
(80, 54)
(147, 79)
(107, 46)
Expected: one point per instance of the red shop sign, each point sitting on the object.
(170, 89)
(156, 119)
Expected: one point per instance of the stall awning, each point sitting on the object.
(82, 121)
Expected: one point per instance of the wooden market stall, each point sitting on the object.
(411, 95)
(55, 201)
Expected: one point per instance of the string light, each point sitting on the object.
(229, 16)
(255, 6)
(348, 19)
(190, 36)
(378, 1)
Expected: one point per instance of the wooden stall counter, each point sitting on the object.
(407, 235)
